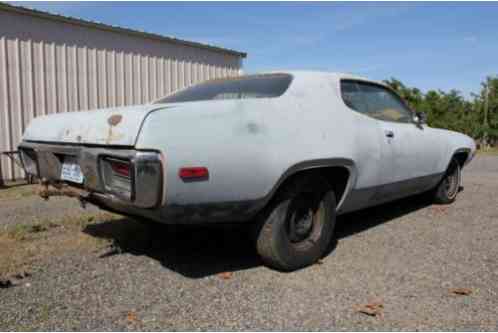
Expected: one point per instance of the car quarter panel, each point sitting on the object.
(248, 145)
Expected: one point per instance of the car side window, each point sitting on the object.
(383, 104)
(374, 101)
(352, 97)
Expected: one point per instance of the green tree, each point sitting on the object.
(486, 104)
(450, 110)
(413, 96)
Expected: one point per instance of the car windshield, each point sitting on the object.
(244, 87)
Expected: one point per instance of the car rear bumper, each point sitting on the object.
(147, 176)
(148, 199)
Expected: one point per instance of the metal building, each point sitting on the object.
(51, 63)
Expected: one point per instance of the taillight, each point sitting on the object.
(120, 168)
(118, 176)
(136, 178)
(193, 173)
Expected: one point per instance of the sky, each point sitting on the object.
(425, 45)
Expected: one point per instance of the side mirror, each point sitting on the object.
(419, 118)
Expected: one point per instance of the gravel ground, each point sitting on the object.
(406, 256)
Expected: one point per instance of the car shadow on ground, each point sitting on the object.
(353, 223)
(200, 251)
(193, 251)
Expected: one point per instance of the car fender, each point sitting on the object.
(314, 164)
(459, 143)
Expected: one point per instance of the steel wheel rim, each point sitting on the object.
(301, 220)
(452, 182)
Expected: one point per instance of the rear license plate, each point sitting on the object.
(71, 170)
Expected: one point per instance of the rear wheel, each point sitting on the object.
(297, 227)
(447, 190)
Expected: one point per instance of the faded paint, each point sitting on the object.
(55, 65)
(251, 146)
(113, 121)
(116, 126)
(262, 138)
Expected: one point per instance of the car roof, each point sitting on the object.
(307, 74)
(302, 75)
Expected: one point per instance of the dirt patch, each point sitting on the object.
(17, 192)
(28, 243)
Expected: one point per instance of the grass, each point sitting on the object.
(20, 232)
(17, 192)
(23, 244)
(488, 151)
(26, 231)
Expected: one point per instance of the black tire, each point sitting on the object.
(297, 227)
(447, 190)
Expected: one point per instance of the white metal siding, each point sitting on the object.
(49, 67)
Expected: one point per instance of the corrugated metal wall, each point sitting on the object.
(49, 67)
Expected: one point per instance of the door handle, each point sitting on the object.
(389, 134)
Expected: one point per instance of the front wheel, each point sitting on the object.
(447, 190)
(297, 227)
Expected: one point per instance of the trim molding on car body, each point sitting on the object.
(377, 195)
(315, 164)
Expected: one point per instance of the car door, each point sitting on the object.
(367, 148)
(409, 153)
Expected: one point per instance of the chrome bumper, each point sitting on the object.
(148, 176)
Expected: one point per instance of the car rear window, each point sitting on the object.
(243, 87)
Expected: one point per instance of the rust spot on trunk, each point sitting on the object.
(114, 119)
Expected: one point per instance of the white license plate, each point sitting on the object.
(71, 170)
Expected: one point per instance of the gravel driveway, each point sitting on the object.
(405, 259)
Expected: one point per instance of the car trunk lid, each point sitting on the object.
(115, 126)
